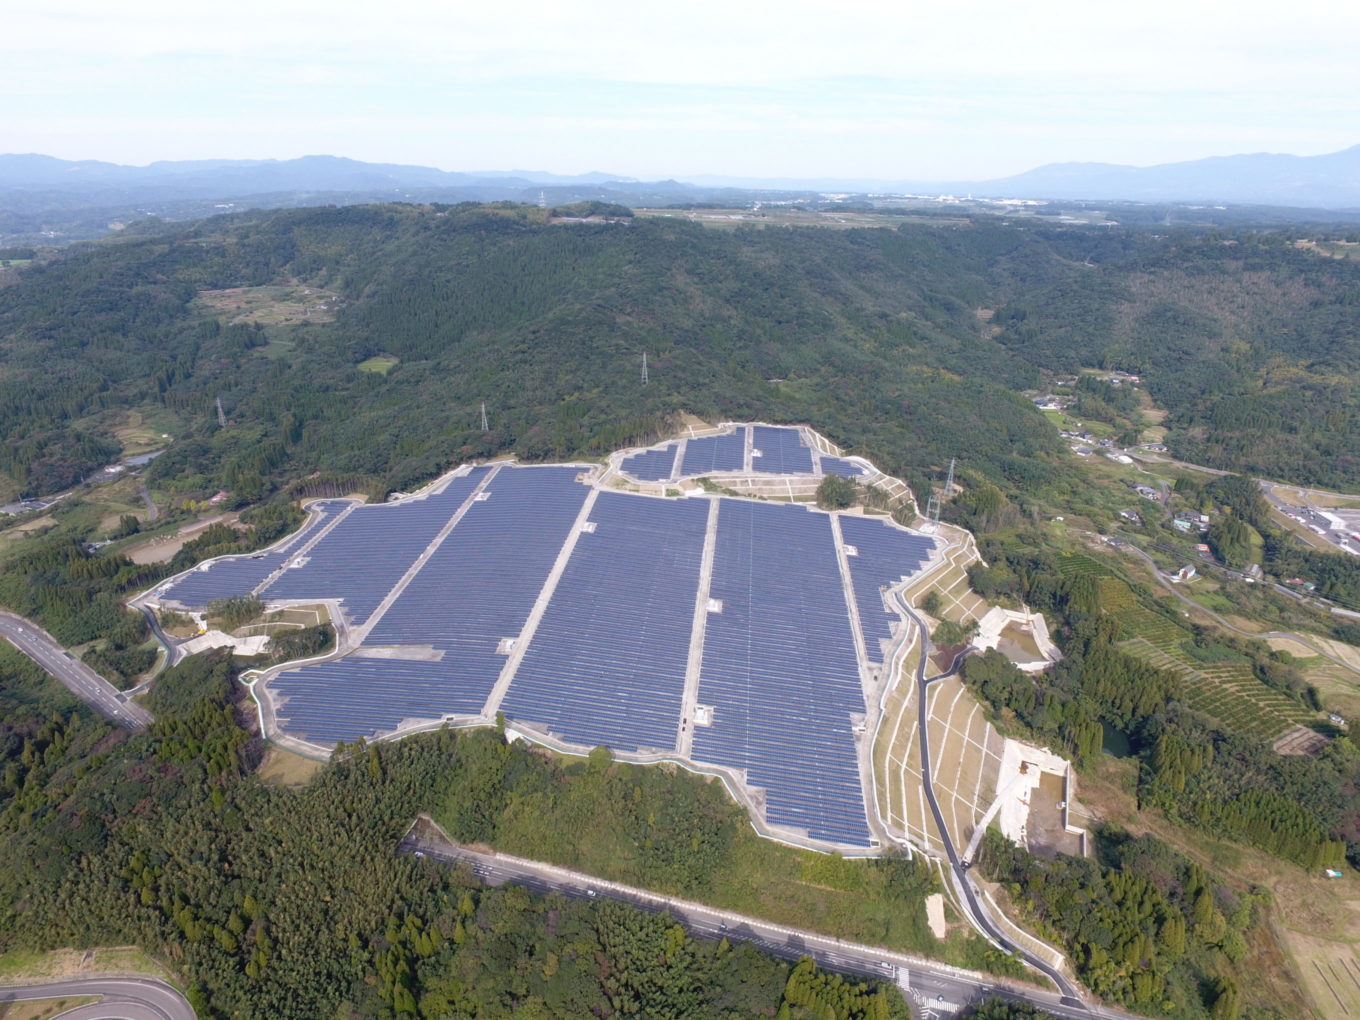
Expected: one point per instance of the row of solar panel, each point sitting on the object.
(781, 649)
(884, 557)
(240, 575)
(782, 451)
(367, 553)
(652, 465)
(714, 453)
(775, 450)
(477, 588)
(607, 664)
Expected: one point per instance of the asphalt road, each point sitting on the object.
(936, 989)
(982, 920)
(80, 679)
(123, 998)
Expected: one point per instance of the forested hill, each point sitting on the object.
(871, 336)
(1252, 343)
(359, 343)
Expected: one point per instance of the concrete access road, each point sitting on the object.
(122, 998)
(80, 679)
(936, 990)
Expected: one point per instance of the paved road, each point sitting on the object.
(124, 998)
(80, 679)
(936, 989)
(980, 917)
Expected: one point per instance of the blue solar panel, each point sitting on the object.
(844, 468)
(652, 465)
(607, 663)
(780, 669)
(475, 590)
(782, 452)
(886, 556)
(715, 453)
(240, 575)
(368, 552)
(349, 698)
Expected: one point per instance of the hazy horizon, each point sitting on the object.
(873, 91)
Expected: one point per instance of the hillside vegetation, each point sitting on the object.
(1252, 344)
(870, 335)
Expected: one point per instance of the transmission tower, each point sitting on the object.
(485, 426)
(644, 368)
(542, 200)
(934, 504)
(221, 415)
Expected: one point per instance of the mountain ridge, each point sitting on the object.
(1329, 180)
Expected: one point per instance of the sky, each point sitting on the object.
(864, 89)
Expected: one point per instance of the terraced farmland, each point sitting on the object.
(1228, 691)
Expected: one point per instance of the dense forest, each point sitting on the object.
(878, 337)
(1251, 342)
(293, 903)
(1143, 926)
(870, 335)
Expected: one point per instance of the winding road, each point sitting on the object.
(935, 989)
(978, 914)
(122, 998)
(79, 679)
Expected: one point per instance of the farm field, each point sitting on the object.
(1227, 691)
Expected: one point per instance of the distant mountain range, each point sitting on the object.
(44, 198)
(218, 177)
(1331, 181)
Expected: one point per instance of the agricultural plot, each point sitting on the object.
(1228, 691)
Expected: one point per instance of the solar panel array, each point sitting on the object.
(608, 660)
(885, 556)
(782, 452)
(780, 670)
(607, 663)
(844, 468)
(652, 465)
(715, 453)
(367, 553)
(241, 575)
(348, 698)
(477, 589)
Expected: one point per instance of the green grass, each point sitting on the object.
(583, 822)
(380, 363)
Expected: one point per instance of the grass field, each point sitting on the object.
(284, 768)
(23, 966)
(143, 431)
(379, 363)
(42, 1009)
